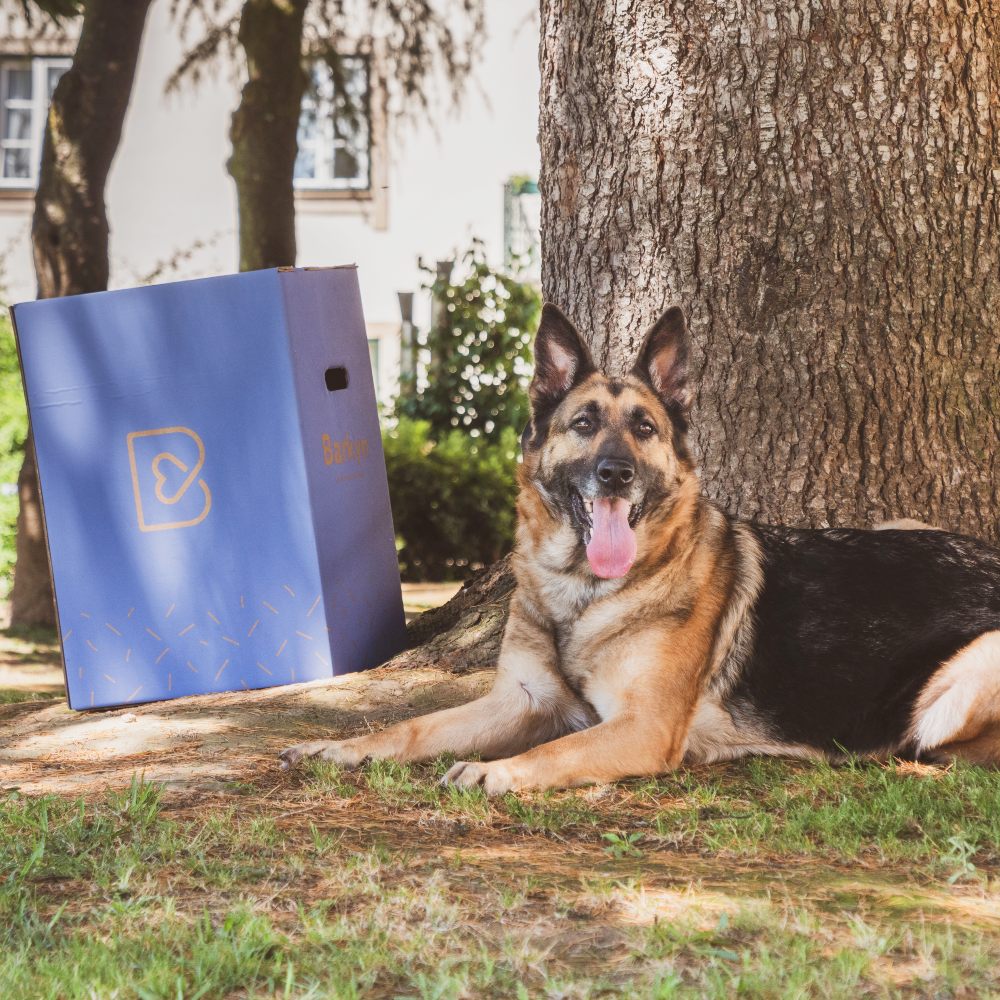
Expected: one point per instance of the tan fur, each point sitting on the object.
(714, 736)
(597, 679)
(735, 636)
(983, 749)
(958, 711)
(906, 524)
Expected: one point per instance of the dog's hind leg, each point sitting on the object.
(529, 704)
(984, 749)
(958, 712)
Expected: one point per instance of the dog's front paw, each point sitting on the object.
(338, 751)
(495, 777)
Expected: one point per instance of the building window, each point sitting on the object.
(26, 87)
(335, 128)
(373, 352)
(522, 214)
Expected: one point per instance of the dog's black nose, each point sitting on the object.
(615, 471)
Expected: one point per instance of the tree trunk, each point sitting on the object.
(264, 131)
(816, 184)
(70, 230)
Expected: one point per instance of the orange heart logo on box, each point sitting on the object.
(172, 476)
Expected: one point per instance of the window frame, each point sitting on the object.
(329, 186)
(39, 66)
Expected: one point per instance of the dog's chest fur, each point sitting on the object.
(579, 611)
(596, 623)
(600, 626)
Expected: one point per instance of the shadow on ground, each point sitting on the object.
(207, 741)
(197, 743)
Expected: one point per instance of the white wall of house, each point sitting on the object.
(171, 201)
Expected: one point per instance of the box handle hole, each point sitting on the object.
(336, 378)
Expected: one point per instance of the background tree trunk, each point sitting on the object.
(816, 184)
(264, 131)
(70, 230)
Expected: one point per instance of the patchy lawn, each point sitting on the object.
(764, 879)
(225, 877)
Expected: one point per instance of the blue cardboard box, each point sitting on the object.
(213, 484)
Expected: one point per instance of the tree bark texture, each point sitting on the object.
(264, 131)
(70, 232)
(817, 185)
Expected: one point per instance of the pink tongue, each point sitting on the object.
(611, 551)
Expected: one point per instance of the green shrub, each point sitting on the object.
(478, 353)
(452, 499)
(13, 430)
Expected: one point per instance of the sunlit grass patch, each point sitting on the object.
(381, 882)
(14, 696)
(778, 951)
(887, 813)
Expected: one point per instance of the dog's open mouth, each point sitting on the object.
(607, 525)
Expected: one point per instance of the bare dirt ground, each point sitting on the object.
(201, 743)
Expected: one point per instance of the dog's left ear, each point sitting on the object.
(663, 361)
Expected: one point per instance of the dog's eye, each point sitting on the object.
(645, 429)
(582, 424)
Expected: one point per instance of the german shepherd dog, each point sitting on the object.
(649, 629)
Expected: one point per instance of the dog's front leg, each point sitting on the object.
(529, 703)
(627, 746)
(648, 693)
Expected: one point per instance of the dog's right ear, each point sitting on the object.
(562, 360)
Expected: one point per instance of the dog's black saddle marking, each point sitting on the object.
(850, 625)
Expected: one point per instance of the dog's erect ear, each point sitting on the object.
(663, 361)
(561, 359)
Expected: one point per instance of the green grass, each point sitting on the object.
(382, 883)
(936, 820)
(120, 898)
(859, 810)
(11, 696)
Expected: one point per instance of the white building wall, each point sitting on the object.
(171, 200)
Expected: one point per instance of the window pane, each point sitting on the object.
(17, 123)
(345, 165)
(307, 121)
(16, 163)
(305, 164)
(351, 124)
(19, 84)
(52, 77)
(334, 127)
